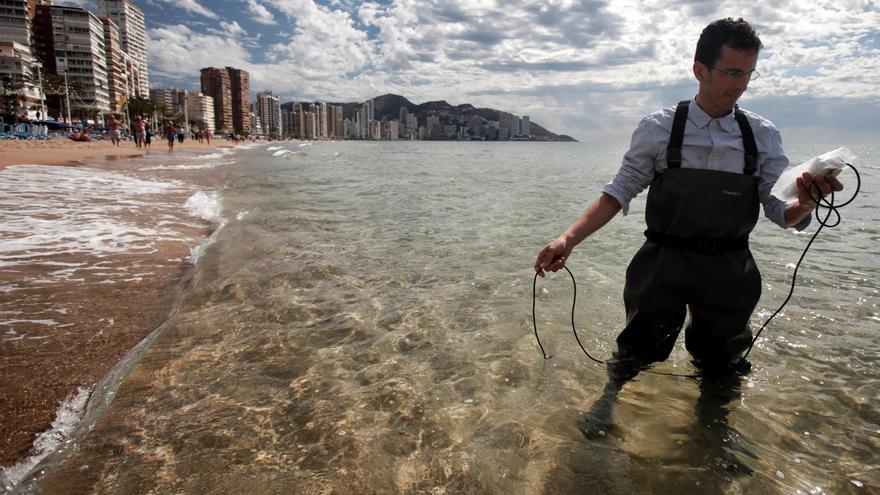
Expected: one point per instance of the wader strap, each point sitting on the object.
(698, 245)
(751, 149)
(673, 149)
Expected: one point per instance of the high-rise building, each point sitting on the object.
(433, 128)
(287, 123)
(132, 35)
(170, 101)
(403, 114)
(239, 85)
(412, 126)
(364, 128)
(256, 129)
(72, 44)
(323, 120)
(268, 108)
(299, 122)
(122, 73)
(200, 108)
(392, 130)
(18, 55)
(16, 64)
(338, 130)
(526, 126)
(216, 84)
(310, 125)
(15, 21)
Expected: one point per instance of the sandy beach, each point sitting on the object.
(62, 151)
(61, 335)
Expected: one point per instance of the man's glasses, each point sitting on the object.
(735, 74)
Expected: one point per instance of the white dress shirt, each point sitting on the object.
(709, 143)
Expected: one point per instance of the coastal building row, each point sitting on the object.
(102, 58)
(321, 120)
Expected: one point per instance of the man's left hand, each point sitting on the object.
(807, 193)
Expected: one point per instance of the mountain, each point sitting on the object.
(388, 107)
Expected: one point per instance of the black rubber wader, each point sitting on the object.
(696, 258)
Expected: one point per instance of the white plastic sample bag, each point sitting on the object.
(832, 163)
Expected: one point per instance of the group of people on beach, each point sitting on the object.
(143, 135)
(174, 132)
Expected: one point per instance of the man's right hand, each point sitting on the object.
(552, 257)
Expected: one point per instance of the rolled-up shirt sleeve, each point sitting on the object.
(637, 170)
(773, 163)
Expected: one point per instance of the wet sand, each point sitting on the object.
(60, 336)
(40, 369)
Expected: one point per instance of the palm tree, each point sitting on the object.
(141, 106)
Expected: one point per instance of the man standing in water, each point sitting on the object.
(709, 165)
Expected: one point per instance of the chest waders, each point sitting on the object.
(696, 258)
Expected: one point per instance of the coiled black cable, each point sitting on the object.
(830, 207)
(826, 203)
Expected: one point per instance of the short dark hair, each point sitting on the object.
(739, 34)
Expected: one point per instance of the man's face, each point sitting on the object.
(717, 88)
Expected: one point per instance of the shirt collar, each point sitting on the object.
(701, 119)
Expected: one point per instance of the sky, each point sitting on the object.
(591, 69)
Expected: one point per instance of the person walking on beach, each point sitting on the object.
(708, 165)
(148, 137)
(170, 134)
(139, 131)
(113, 129)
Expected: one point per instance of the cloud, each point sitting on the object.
(177, 53)
(261, 13)
(192, 6)
(324, 41)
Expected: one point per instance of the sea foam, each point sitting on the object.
(68, 416)
(205, 205)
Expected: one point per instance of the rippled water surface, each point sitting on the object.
(362, 324)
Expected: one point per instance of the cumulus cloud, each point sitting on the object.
(261, 14)
(177, 53)
(194, 7)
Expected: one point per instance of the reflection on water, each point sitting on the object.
(365, 328)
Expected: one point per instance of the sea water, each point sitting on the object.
(362, 324)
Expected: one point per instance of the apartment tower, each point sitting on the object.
(129, 18)
(216, 84)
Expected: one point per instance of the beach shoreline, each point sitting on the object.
(61, 151)
(59, 337)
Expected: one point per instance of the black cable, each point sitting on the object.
(823, 222)
(573, 304)
(821, 202)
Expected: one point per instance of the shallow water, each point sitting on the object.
(362, 324)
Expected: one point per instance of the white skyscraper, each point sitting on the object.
(200, 108)
(80, 55)
(132, 34)
(525, 131)
(269, 111)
